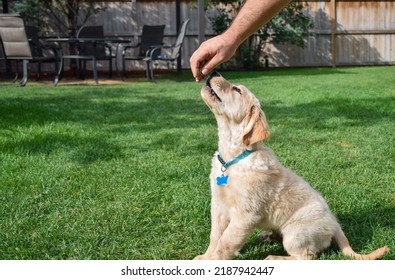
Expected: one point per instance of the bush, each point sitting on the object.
(289, 26)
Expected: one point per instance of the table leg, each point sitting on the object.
(95, 70)
(23, 82)
(59, 73)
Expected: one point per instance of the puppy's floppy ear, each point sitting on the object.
(256, 127)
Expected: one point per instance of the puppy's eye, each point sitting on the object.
(237, 89)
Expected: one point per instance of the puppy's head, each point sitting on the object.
(235, 104)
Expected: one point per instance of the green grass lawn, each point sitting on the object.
(121, 171)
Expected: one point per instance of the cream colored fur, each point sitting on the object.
(261, 193)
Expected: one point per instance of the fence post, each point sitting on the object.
(178, 24)
(201, 19)
(333, 32)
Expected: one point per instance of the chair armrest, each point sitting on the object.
(151, 50)
(165, 47)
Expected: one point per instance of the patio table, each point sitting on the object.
(94, 41)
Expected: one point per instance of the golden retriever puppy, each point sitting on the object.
(251, 189)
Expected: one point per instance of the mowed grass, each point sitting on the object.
(121, 171)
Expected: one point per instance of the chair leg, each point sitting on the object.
(95, 70)
(23, 82)
(17, 71)
(152, 72)
(58, 75)
(123, 68)
(149, 71)
(56, 64)
(15, 78)
(82, 69)
(110, 68)
(39, 72)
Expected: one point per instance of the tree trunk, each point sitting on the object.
(72, 20)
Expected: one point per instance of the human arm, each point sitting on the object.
(252, 15)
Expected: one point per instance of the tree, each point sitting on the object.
(62, 17)
(289, 26)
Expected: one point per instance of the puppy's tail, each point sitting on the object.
(345, 247)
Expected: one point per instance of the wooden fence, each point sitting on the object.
(346, 32)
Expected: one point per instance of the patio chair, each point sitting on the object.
(101, 50)
(174, 52)
(14, 42)
(37, 49)
(151, 37)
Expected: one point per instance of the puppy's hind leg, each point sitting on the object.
(296, 251)
(301, 255)
(274, 236)
(301, 244)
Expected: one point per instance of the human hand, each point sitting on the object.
(210, 54)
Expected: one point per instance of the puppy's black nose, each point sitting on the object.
(215, 74)
(212, 75)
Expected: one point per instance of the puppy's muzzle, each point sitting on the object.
(208, 83)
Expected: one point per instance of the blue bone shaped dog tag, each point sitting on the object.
(222, 180)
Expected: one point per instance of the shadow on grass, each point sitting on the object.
(316, 115)
(98, 109)
(87, 123)
(85, 149)
(137, 112)
(359, 226)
